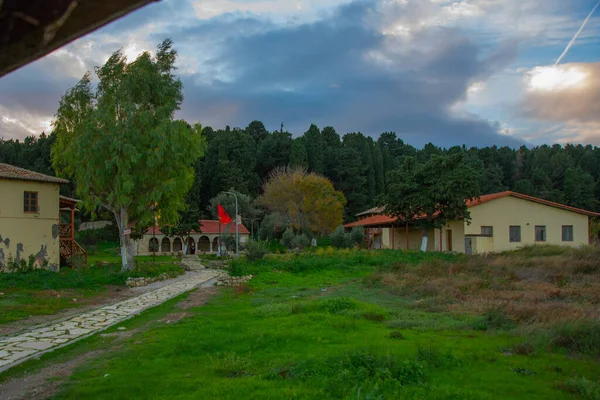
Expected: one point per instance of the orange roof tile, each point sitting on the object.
(208, 227)
(373, 220)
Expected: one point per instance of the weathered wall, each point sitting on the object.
(508, 211)
(24, 234)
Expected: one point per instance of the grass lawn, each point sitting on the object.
(110, 252)
(345, 325)
(41, 292)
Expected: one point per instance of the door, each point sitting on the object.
(449, 240)
(191, 246)
(377, 242)
(469, 245)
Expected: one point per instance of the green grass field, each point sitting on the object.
(109, 252)
(328, 325)
(41, 292)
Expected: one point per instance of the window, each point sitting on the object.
(515, 234)
(487, 231)
(567, 233)
(30, 202)
(540, 233)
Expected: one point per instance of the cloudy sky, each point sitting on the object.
(475, 72)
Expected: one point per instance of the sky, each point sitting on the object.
(474, 72)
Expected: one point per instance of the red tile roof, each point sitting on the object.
(376, 220)
(373, 220)
(209, 227)
(8, 171)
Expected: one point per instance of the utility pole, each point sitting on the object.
(237, 253)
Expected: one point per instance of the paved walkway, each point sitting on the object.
(16, 349)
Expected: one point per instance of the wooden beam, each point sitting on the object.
(30, 29)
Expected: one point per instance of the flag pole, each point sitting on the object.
(237, 253)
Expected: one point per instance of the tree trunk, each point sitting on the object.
(424, 240)
(185, 246)
(127, 253)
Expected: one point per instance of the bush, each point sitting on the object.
(255, 250)
(301, 242)
(338, 304)
(287, 238)
(581, 337)
(338, 238)
(495, 318)
(357, 235)
(585, 388)
(273, 226)
(346, 240)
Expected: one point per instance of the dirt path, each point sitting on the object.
(44, 383)
(33, 343)
(114, 294)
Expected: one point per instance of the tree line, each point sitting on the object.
(243, 158)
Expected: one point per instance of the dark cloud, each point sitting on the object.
(342, 72)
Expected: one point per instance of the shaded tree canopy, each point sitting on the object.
(433, 191)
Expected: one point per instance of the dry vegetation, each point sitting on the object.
(535, 286)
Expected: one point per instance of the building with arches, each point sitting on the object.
(203, 242)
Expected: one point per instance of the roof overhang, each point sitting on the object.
(30, 29)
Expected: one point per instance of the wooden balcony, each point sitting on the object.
(70, 250)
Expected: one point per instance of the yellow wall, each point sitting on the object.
(29, 231)
(458, 237)
(414, 239)
(504, 212)
(481, 244)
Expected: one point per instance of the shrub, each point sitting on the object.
(345, 240)
(287, 238)
(495, 318)
(588, 390)
(396, 335)
(357, 235)
(362, 367)
(374, 316)
(301, 242)
(435, 358)
(338, 238)
(273, 226)
(255, 250)
(338, 304)
(582, 337)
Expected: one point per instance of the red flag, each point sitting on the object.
(223, 216)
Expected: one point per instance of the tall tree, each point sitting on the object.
(492, 180)
(580, 189)
(299, 156)
(257, 131)
(433, 192)
(314, 149)
(308, 201)
(121, 144)
(273, 152)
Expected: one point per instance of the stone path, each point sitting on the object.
(16, 349)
